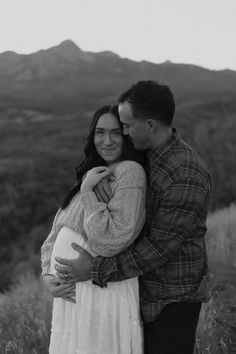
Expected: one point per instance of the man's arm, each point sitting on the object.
(175, 220)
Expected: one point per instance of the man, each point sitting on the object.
(170, 255)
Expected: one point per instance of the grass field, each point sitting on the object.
(25, 311)
(216, 332)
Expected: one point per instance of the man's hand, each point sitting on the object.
(59, 288)
(73, 270)
(103, 189)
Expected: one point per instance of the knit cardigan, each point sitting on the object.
(107, 228)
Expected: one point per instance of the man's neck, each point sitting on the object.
(161, 137)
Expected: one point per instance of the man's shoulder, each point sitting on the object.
(187, 162)
(182, 162)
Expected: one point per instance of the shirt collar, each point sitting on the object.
(164, 148)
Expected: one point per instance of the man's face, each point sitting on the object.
(135, 128)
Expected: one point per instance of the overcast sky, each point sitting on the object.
(201, 32)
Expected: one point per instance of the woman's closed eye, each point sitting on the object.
(116, 133)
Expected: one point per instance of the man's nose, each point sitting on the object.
(125, 131)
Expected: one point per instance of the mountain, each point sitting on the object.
(64, 77)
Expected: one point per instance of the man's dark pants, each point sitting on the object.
(173, 332)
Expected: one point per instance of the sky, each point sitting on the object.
(201, 32)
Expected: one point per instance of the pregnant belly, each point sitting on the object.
(62, 247)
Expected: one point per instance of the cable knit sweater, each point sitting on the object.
(106, 228)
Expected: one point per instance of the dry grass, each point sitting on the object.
(25, 314)
(25, 311)
(216, 332)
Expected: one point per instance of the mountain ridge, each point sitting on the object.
(69, 44)
(65, 75)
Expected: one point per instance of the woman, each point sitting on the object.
(101, 321)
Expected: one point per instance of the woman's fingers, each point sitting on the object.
(101, 169)
(93, 177)
(64, 290)
(70, 299)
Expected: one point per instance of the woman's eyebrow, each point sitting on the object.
(112, 130)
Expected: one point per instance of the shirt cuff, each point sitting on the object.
(96, 280)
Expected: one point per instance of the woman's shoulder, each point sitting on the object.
(130, 171)
(128, 165)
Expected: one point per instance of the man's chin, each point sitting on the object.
(138, 146)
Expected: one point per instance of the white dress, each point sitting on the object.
(103, 320)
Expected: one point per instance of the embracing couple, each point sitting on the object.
(126, 259)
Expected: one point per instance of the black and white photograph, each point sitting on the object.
(117, 177)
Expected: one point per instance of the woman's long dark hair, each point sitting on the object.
(93, 159)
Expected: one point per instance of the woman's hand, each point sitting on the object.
(93, 177)
(59, 288)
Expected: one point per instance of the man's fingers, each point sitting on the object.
(103, 189)
(106, 188)
(100, 198)
(77, 247)
(63, 261)
(61, 270)
(64, 277)
(96, 191)
(111, 178)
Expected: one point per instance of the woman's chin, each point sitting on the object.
(110, 159)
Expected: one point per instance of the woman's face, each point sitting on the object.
(108, 138)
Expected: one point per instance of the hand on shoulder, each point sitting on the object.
(93, 177)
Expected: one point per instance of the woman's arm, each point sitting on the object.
(47, 247)
(112, 227)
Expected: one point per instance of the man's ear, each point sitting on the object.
(152, 125)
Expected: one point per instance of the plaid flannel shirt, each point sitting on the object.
(170, 254)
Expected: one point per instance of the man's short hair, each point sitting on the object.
(150, 100)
